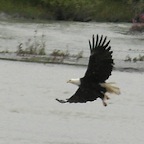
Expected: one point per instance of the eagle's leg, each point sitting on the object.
(104, 98)
(104, 102)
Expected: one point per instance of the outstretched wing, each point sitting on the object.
(100, 62)
(82, 96)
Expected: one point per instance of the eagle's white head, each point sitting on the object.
(75, 81)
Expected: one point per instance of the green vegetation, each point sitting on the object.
(75, 10)
(33, 50)
(64, 54)
(135, 59)
(33, 46)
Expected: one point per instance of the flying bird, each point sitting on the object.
(93, 85)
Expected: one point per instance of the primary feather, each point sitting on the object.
(100, 62)
(93, 85)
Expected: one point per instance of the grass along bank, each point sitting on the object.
(74, 10)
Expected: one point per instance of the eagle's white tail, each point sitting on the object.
(110, 88)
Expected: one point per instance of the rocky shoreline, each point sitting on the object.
(120, 65)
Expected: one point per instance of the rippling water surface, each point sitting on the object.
(72, 36)
(29, 113)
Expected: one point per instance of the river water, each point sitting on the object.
(29, 113)
(71, 36)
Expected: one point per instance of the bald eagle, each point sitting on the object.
(93, 85)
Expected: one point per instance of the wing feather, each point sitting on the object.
(100, 62)
(90, 46)
(104, 41)
(100, 41)
(97, 39)
(84, 95)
